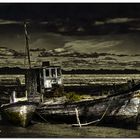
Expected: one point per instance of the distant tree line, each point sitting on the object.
(37, 49)
(72, 54)
(101, 71)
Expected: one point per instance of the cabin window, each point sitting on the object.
(58, 72)
(53, 72)
(20, 94)
(47, 73)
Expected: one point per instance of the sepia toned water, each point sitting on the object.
(47, 130)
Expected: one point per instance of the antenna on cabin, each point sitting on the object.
(27, 45)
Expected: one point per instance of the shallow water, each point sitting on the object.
(45, 130)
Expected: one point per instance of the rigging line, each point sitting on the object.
(41, 116)
(25, 57)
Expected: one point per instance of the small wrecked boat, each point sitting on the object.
(121, 108)
(19, 111)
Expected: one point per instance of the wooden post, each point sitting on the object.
(77, 117)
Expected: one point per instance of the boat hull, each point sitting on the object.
(121, 108)
(20, 113)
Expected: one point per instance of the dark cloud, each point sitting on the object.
(41, 11)
(67, 21)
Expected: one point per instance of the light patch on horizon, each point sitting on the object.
(121, 20)
(2, 22)
(89, 46)
(99, 23)
(116, 21)
(135, 28)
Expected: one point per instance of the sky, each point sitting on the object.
(42, 11)
(99, 27)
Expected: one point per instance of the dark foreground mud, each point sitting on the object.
(47, 130)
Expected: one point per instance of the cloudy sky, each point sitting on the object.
(113, 28)
(38, 11)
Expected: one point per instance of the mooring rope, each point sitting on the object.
(92, 122)
(41, 117)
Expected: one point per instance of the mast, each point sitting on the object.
(27, 44)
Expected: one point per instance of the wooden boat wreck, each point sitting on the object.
(19, 110)
(38, 81)
(120, 108)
